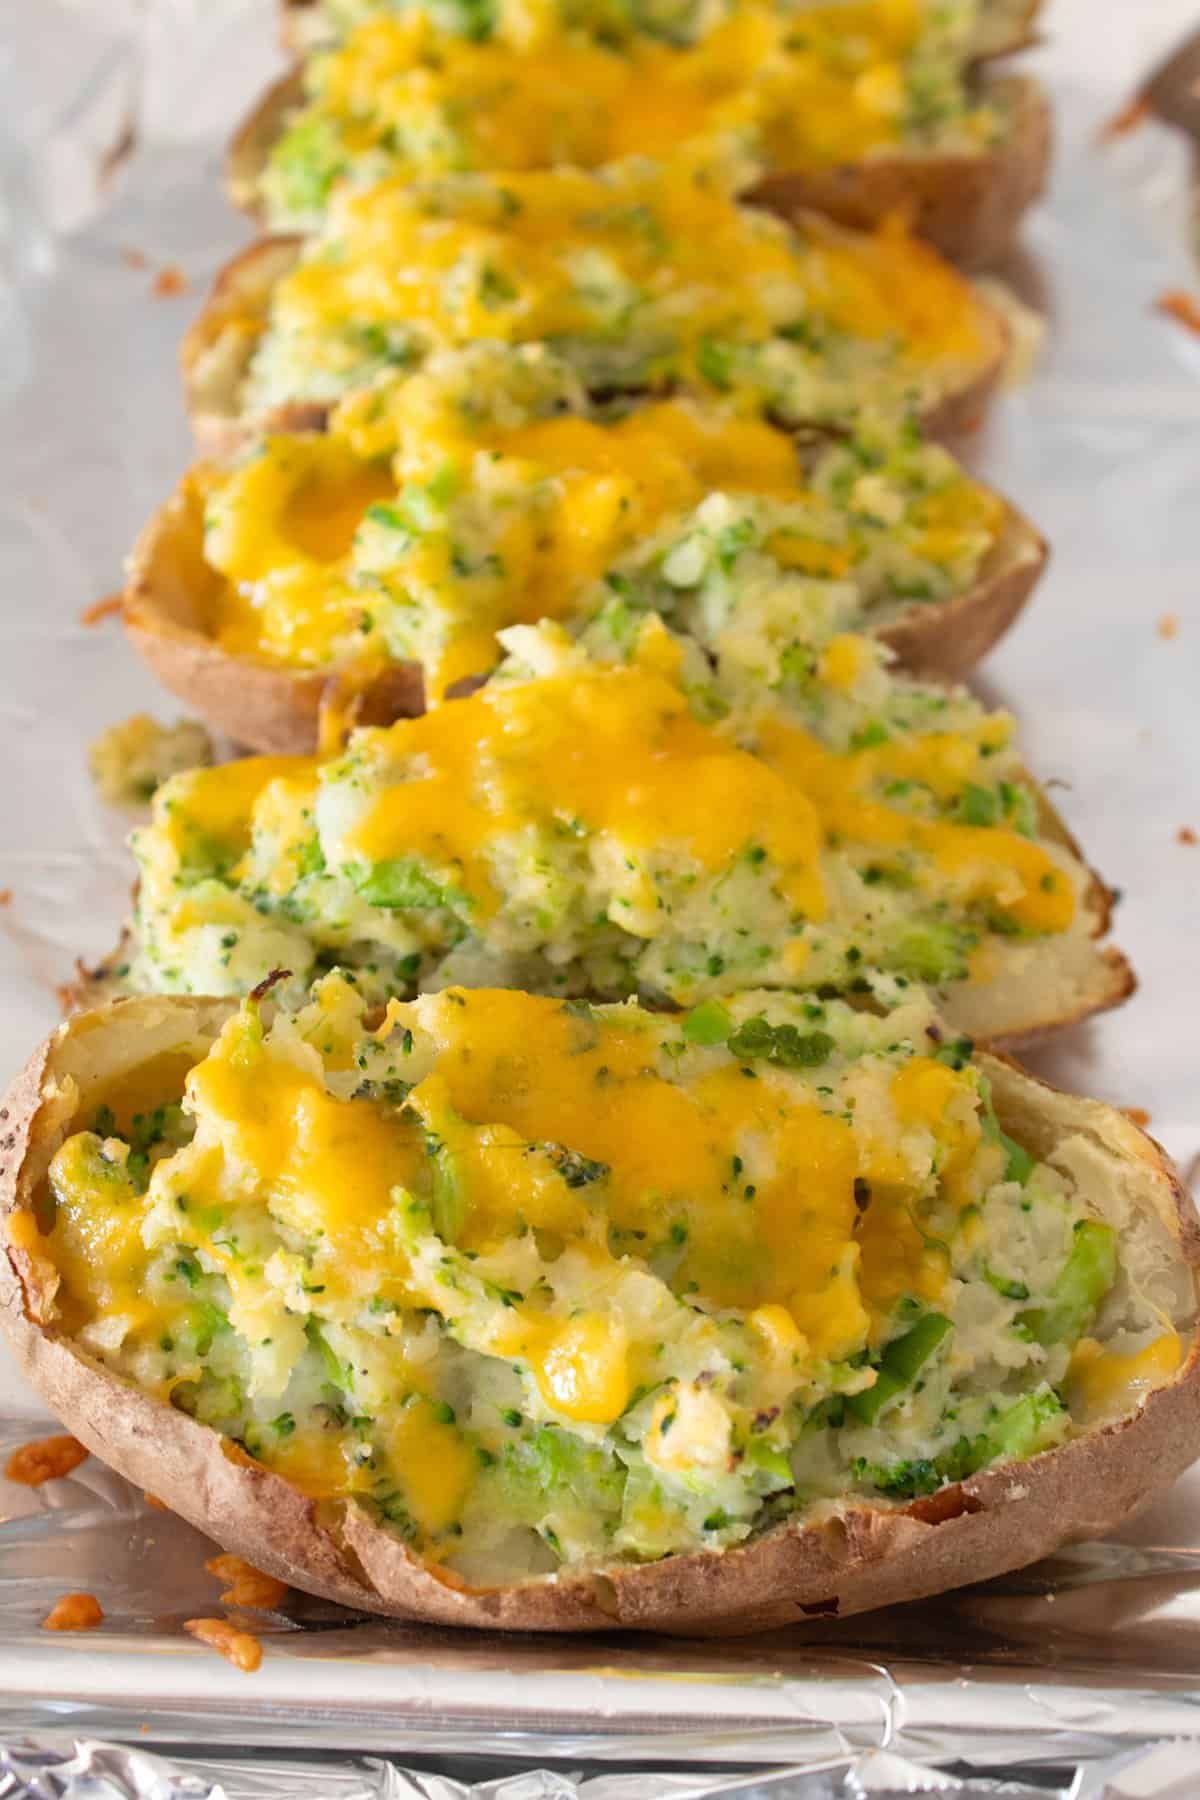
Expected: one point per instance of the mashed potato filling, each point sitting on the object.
(486, 492)
(541, 1283)
(644, 277)
(818, 86)
(582, 825)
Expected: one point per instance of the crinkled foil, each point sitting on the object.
(1080, 1678)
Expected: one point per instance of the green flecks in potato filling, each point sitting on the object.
(540, 1282)
(585, 824)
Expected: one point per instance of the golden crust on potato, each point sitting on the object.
(216, 352)
(858, 1556)
(268, 707)
(968, 204)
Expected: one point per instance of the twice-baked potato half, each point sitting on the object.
(586, 824)
(645, 277)
(486, 491)
(855, 113)
(518, 1313)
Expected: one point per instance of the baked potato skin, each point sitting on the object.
(860, 1557)
(216, 351)
(254, 139)
(270, 708)
(1107, 983)
(968, 206)
(218, 344)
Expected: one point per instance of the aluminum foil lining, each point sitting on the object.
(88, 1770)
(1080, 1678)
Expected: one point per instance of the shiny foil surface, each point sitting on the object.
(1079, 1678)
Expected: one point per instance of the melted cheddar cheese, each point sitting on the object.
(1023, 880)
(1107, 1381)
(614, 754)
(647, 275)
(485, 494)
(539, 1283)
(401, 97)
(581, 829)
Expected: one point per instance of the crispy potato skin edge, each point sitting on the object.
(859, 1558)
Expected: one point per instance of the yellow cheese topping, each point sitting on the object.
(281, 527)
(502, 1252)
(547, 1074)
(513, 1071)
(616, 756)
(214, 824)
(826, 85)
(982, 863)
(619, 751)
(616, 751)
(522, 522)
(435, 1467)
(510, 260)
(326, 1165)
(96, 1244)
(661, 459)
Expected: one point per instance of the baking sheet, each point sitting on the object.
(113, 113)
